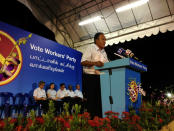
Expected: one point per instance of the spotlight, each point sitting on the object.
(97, 18)
(169, 95)
(131, 5)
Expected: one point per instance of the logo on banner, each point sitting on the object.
(133, 90)
(10, 57)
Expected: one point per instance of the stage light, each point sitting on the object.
(169, 95)
(97, 18)
(131, 5)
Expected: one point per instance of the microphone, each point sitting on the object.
(130, 54)
(122, 52)
(127, 53)
(119, 55)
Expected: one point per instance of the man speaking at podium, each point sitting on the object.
(94, 55)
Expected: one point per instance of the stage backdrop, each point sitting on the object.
(26, 59)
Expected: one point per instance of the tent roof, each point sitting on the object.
(62, 17)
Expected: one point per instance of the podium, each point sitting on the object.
(120, 81)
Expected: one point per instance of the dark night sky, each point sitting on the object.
(155, 51)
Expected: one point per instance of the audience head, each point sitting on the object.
(78, 87)
(62, 86)
(70, 87)
(41, 84)
(52, 85)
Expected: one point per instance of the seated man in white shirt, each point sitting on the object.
(62, 92)
(62, 95)
(70, 91)
(70, 98)
(78, 92)
(40, 96)
(79, 99)
(51, 93)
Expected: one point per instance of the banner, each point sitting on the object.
(26, 59)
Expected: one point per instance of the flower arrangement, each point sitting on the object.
(149, 118)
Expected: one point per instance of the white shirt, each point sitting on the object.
(39, 93)
(78, 93)
(61, 93)
(51, 93)
(70, 93)
(93, 53)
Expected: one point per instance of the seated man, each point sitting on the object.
(79, 99)
(70, 98)
(78, 92)
(40, 96)
(62, 92)
(62, 95)
(51, 93)
(70, 91)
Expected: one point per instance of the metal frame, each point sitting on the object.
(84, 7)
(50, 20)
(59, 22)
(103, 17)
